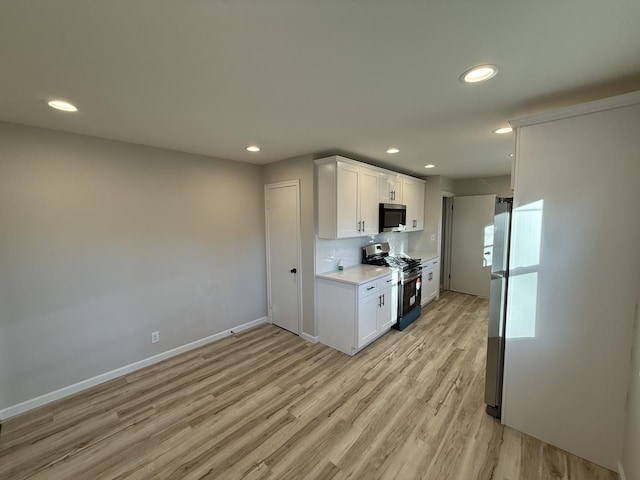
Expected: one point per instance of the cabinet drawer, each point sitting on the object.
(430, 263)
(385, 282)
(375, 286)
(368, 288)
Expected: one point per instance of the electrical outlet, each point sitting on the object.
(155, 337)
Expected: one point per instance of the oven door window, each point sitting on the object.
(411, 296)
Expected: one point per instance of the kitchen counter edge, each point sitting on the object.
(356, 275)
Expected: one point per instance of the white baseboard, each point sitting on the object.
(308, 338)
(621, 472)
(118, 372)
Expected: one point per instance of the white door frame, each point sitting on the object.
(267, 187)
(445, 254)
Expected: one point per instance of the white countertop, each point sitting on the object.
(356, 275)
(423, 255)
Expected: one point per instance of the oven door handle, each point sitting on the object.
(411, 278)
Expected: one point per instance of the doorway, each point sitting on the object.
(445, 243)
(472, 244)
(284, 284)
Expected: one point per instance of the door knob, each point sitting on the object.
(293, 270)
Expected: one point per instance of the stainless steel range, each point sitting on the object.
(409, 280)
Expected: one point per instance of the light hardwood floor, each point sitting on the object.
(265, 404)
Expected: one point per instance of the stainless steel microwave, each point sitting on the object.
(393, 218)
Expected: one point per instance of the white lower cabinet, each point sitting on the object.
(430, 280)
(367, 324)
(351, 316)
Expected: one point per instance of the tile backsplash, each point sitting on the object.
(349, 250)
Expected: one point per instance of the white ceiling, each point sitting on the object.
(298, 77)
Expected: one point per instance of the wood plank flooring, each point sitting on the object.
(265, 404)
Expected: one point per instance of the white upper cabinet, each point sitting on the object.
(347, 199)
(368, 196)
(413, 195)
(350, 192)
(348, 211)
(390, 188)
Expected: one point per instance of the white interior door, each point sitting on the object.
(472, 244)
(282, 215)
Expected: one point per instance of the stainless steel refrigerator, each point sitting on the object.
(498, 306)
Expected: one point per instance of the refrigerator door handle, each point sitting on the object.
(498, 307)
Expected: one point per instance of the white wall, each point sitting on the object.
(631, 449)
(575, 279)
(499, 186)
(104, 242)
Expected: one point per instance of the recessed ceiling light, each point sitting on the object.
(62, 105)
(502, 130)
(479, 73)
(253, 148)
(431, 165)
(392, 150)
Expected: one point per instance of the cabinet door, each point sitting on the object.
(435, 283)
(347, 201)
(386, 309)
(390, 189)
(431, 282)
(367, 327)
(386, 189)
(419, 205)
(369, 201)
(394, 299)
(413, 194)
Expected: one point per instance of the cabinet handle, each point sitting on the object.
(363, 229)
(380, 301)
(359, 224)
(383, 299)
(371, 287)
